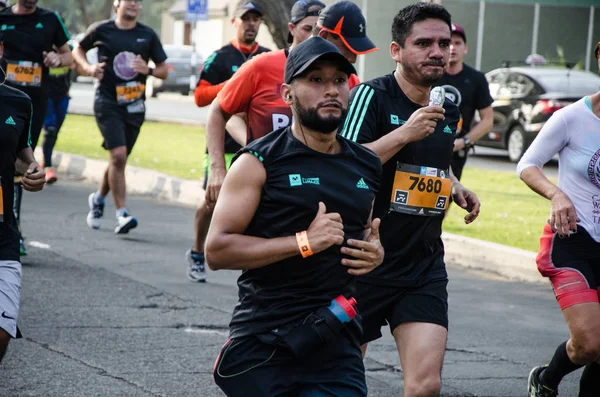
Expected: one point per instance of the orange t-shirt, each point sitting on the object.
(255, 89)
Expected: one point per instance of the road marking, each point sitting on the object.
(206, 331)
(37, 244)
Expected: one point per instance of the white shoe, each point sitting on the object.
(125, 224)
(196, 267)
(94, 217)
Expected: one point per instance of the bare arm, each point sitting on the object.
(64, 52)
(483, 127)
(226, 245)
(161, 71)
(236, 126)
(388, 145)
(215, 143)
(81, 59)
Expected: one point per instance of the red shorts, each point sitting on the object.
(572, 264)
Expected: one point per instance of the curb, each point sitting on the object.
(512, 263)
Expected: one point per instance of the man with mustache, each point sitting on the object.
(124, 48)
(218, 69)
(15, 155)
(30, 35)
(295, 215)
(254, 90)
(391, 115)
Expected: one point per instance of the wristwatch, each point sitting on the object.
(468, 143)
(150, 71)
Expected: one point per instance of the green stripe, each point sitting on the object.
(62, 23)
(359, 118)
(30, 121)
(352, 109)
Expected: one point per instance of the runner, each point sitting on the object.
(218, 68)
(59, 83)
(290, 200)
(469, 90)
(570, 242)
(27, 66)
(391, 115)
(254, 88)
(124, 48)
(15, 154)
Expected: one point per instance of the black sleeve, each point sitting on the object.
(61, 33)
(483, 99)
(157, 52)
(25, 135)
(212, 71)
(361, 122)
(87, 41)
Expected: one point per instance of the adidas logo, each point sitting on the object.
(447, 130)
(10, 121)
(39, 25)
(362, 185)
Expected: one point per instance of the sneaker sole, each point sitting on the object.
(127, 227)
(50, 181)
(529, 380)
(196, 280)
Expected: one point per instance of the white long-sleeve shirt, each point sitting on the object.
(574, 133)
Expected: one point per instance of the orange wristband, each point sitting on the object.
(302, 239)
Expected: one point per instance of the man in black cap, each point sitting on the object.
(300, 23)
(469, 90)
(343, 24)
(294, 215)
(218, 69)
(15, 154)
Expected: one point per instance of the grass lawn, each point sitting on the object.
(173, 149)
(511, 213)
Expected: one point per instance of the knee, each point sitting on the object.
(584, 350)
(50, 131)
(429, 386)
(118, 159)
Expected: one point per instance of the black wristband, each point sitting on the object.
(150, 71)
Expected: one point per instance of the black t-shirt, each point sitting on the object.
(219, 67)
(15, 123)
(118, 47)
(26, 37)
(59, 82)
(413, 245)
(297, 179)
(469, 90)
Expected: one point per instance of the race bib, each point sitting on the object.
(1, 202)
(130, 92)
(24, 73)
(420, 190)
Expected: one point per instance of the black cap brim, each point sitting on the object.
(360, 45)
(346, 66)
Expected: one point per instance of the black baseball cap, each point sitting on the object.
(309, 51)
(247, 6)
(457, 29)
(301, 10)
(345, 19)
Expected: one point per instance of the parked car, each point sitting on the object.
(184, 67)
(525, 97)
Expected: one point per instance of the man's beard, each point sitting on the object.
(426, 79)
(311, 119)
(29, 4)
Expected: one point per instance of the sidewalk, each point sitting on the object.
(505, 261)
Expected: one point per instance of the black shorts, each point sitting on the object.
(248, 367)
(380, 305)
(457, 162)
(118, 127)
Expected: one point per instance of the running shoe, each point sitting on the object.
(535, 388)
(125, 223)
(22, 249)
(50, 175)
(94, 217)
(196, 266)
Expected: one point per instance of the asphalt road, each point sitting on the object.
(165, 107)
(105, 315)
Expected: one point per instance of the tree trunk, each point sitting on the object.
(107, 10)
(276, 17)
(86, 17)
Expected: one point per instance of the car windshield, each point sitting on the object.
(178, 52)
(577, 84)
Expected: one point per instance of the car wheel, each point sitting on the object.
(516, 144)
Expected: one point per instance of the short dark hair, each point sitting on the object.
(317, 29)
(408, 16)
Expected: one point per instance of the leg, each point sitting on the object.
(421, 347)
(50, 132)
(590, 380)
(4, 339)
(116, 175)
